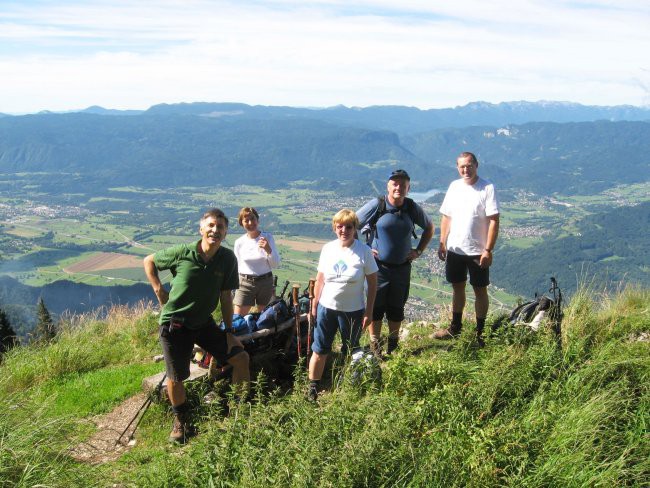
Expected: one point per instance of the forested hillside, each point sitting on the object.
(547, 158)
(609, 250)
(163, 150)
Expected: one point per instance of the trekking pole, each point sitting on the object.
(275, 285)
(143, 408)
(296, 311)
(310, 322)
(284, 290)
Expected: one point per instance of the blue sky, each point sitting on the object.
(69, 54)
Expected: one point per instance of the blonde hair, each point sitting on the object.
(247, 211)
(345, 216)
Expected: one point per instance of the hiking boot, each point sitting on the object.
(480, 341)
(375, 349)
(449, 333)
(312, 393)
(393, 342)
(181, 430)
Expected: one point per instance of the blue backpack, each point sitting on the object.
(240, 325)
(274, 314)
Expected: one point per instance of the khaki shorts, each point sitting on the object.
(254, 290)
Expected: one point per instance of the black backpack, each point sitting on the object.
(370, 229)
(525, 312)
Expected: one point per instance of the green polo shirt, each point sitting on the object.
(196, 285)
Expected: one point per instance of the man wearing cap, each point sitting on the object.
(391, 245)
(468, 232)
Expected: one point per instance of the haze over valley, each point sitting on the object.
(85, 195)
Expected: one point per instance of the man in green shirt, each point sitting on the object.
(204, 273)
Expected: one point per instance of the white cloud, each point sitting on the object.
(134, 54)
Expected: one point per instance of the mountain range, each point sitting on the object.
(170, 145)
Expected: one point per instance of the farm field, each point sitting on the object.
(101, 239)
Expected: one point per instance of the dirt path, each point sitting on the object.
(101, 447)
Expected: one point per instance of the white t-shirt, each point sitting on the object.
(345, 270)
(253, 260)
(469, 207)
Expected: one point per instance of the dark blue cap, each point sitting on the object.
(399, 173)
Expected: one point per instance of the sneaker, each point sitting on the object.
(312, 393)
(449, 333)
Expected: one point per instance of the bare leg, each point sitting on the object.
(393, 328)
(240, 370)
(241, 309)
(375, 330)
(317, 365)
(457, 305)
(393, 335)
(175, 392)
(482, 302)
(458, 298)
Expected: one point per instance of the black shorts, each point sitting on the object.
(393, 286)
(178, 345)
(457, 266)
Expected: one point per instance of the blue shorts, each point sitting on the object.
(393, 286)
(328, 321)
(458, 265)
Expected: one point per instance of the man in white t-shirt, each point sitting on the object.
(468, 232)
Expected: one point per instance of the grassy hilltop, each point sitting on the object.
(520, 412)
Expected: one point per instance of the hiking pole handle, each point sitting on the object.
(312, 283)
(294, 294)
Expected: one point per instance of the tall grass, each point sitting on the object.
(85, 343)
(520, 412)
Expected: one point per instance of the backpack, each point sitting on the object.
(274, 314)
(240, 326)
(370, 229)
(527, 310)
(531, 312)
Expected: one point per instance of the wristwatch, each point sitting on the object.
(419, 251)
(229, 330)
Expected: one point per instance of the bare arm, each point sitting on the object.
(318, 289)
(424, 242)
(152, 275)
(485, 260)
(225, 298)
(371, 279)
(445, 224)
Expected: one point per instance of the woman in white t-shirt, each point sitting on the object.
(256, 257)
(345, 265)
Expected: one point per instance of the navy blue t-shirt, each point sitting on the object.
(393, 237)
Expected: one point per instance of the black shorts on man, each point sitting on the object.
(458, 265)
(178, 344)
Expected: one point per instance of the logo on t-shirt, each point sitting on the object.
(339, 268)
